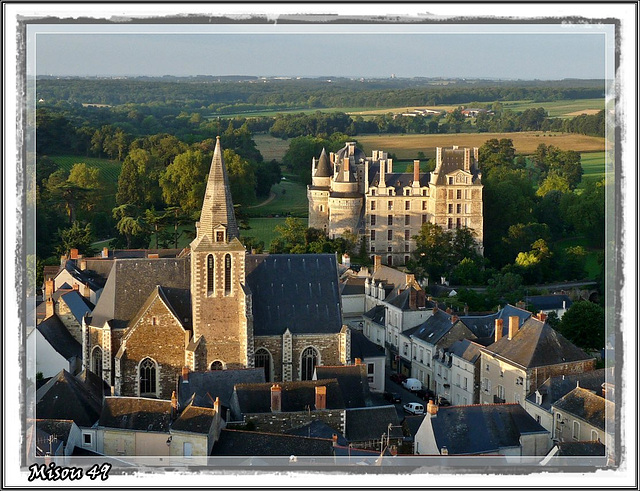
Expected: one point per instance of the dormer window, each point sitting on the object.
(220, 236)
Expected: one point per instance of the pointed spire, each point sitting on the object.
(217, 206)
(324, 167)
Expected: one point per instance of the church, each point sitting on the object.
(214, 306)
(353, 193)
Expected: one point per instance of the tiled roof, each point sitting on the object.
(136, 413)
(376, 314)
(481, 428)
(58, 336)
(353, 285)
(353, 383)
(466, 349)
(452, 160)
(97, 386)
(194, 419)
(434, 328)
(86, 276)
(217, 383)
(587, 406)
(66, 397)
(362, 348)
(132, 280)
(295, 291)
(555, 388)
(236, 442)
(483, 326)
(318, 429)
(536, 344)
(296, 396)
(370, 423)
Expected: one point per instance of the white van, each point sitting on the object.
(412, 384)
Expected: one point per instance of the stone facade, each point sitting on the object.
(359, 194)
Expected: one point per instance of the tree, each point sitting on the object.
(65, 194)
(291, 236)
(574, 262)
(553, 182)
(184, 181)
(433, 253)
(131, 225)
(76, 237)
(583, 325)
(496, 153)
(535, 264)
(242, 179)
(504, 286)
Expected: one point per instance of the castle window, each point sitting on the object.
(227, 274)
(210, 274)
(458, 193)
(373, 193)
(389, 234)
(424, 205)
(147, 377)
(407, 205)
(373, 248)
(406, 259)
(321, 207)
(407, 235)
(450, 179)
(373, 220)
(407, 219)
(309, 360)
(450, 208)
(96, 361)
(217, 365)
(220, 236)
(424, 192)
(458, 208)
(373, 206)
(450, 223)
(263, 360)
(424, 218)
(466, 194)
(450, 193)
(390, 205)
(390, 220)
(390, 263)
(458, 223)
(373, 235)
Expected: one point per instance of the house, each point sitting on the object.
(352, 294)
(352, 380)
(373, 427)
(55, 348)
(538, 403)
(372, 356)
(518, 363)
(558, 303)
(358, 194)
(283, 406)
(53, 437)
(483, 326)
(465, 372)
(75, 275)
(481, 429)
(429, 344)
(583, 416)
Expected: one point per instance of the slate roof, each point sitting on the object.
(194, 419)
(352, 285)
(433, 329)
(587, 406)
(353, 383)
(78, 305)
(376, 314)
(136, 414)
(578, 449)
(411, 424)
(555, 388)
(95, 281)
(483, 326)
(466, 349)
(66, 397)
(318, 429)
(94, 384)
(296, 396)
(452, 160)
(481, 428)
(362, 348)
(217, 383)
(130, 283)
(59, 337)
(237, 442)
(536, 344)
(324, 166)
(398, 180)
(370, 423)
(295, 291)
(549, 302)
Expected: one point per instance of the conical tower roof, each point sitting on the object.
(324, 166)
(217, 207)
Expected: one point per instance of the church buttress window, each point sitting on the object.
(96, 361)
(308, 363)
(147, 377)
(263, 360)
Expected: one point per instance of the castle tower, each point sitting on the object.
(318, 192)
(218, 300)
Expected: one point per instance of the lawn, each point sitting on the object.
(290, 199)
(564, 108)
(263, 229)
(406, 147)
(593, 165)
(271, 148)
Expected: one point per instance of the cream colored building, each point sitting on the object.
(583, 416)
(353, 193)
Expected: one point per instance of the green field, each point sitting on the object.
(593, 165)
(263, 229)
(109, 169)
(564, 108)
(290, 198)
(271, 148)
(273, 112)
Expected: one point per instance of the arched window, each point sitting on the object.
(227, 274)
(209, 274)
(308, 363)
(263, 360)
(217, 365)
(147, 377)
(96, 361)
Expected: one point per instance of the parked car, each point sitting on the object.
(413, 408)
(412, 384)
(392, 397)
(398, 378)
(426, 394)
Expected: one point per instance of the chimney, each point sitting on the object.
(513, 326)
(49, 308)
(346, 260)
(216, 405)
(83, 265)
(332, 158)
(63, 260)
(448, 311)
(345, 168)
(382, 174)
(435, 308)
(475, 153)
(416, 173)
(321, 397)
(334, 438)
(185, 375)
(358, 361)
(438, 156)
(377, 263)
(76, 287)
(74, 253)
(174, 405)
(49, 288)
(467, 159)
(413, 297)
(105, 252)
(542, 316)
(154, 255)
(454, 319)
(444, 451)
(389, 166)
(521, 305)
(432, 408)
(276, 398)
(498, 330)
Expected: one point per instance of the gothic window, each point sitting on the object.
(227, 274)
(263, 360)
(147, 377)
(217, 365)
(96, 361)
(210, 274)
(309, 362)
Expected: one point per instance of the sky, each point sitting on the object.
(513, 51)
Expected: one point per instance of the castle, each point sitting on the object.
(353, 193)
